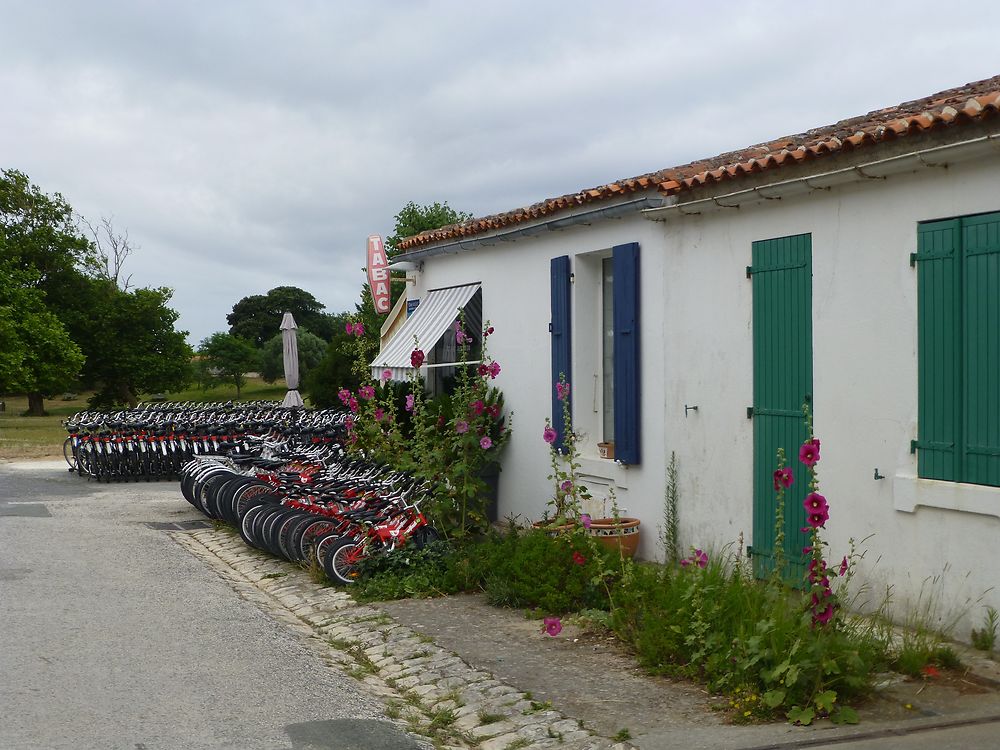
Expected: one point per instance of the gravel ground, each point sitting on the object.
(115, 637)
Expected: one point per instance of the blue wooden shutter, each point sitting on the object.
(939, 361)
(981, 344)
(561, 339)
(625, 262)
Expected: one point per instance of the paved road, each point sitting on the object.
(112, 636)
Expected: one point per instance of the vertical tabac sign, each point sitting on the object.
(378, 274)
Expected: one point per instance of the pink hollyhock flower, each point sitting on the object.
(493, 410)
(585, 520)
(549, 435)
(487, 331)
(806, 550)
(562, 390)
(483, 370)
(815, 503)
(367, 392)
(843, 566)
(552, 626)
(685, 562)
(353, 404)
(566, 486)
(409, 402)
(349, 424)
(359, 329)
(783, 478)
(386, 375)
(486, 443)
(416, 358)
(379, 414)
(460, 336)
(477, 407)
(461, 427)
(440, 422)
(699, 557)
(578, 558)
(344, 395)
(349, 329)
(823, 616)
(818, 520)
(494, 368)
(809, 452)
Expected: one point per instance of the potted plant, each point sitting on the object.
(616, 532)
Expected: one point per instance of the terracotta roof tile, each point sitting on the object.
(955, 107)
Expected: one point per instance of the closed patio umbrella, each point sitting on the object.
(290, 357)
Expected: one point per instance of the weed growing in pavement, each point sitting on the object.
(340, 644)
(517, 744)
(623, 735)
(985, 638)
(274, 575)
(485, 717)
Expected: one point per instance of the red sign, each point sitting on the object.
(378, 274)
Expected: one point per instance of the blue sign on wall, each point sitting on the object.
(411, 305)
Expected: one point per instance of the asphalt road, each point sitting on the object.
(113, 636)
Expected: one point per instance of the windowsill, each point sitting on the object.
(605, 468)
(910, 492)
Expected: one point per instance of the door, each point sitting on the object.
(782, 383)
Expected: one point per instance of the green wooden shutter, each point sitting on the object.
(939, 365)
(981, 343)
(782, 383)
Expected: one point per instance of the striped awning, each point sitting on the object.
(435, 313)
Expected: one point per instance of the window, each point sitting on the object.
(958, 297)
(618, 363)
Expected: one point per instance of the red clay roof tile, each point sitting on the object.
(954, 107)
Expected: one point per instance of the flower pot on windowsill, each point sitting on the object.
(623, 533)
(606, 450)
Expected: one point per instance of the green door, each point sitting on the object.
(782, 383)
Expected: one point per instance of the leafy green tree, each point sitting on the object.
(140, 350)
(335, 370)
(413, 219)
(41, 247)
(311, 350)
(36, 354)
(230, 357)
(258, 317)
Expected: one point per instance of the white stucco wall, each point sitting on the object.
(697, 350)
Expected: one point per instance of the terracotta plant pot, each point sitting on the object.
(553, 529)
(624, 533)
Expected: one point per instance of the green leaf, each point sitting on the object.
(792, 675)
(774, 698)
(844, 715)
(803, 716)
(825, 700)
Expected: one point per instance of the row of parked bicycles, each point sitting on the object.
(281, 477)
(155, 441)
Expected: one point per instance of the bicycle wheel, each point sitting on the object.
(69, 454)
(341, 559)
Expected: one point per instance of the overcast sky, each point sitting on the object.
(246, 145)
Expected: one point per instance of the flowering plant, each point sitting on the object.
(565, 461)
(458, 440)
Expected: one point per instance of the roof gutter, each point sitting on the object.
(584, 217)
(880, 169)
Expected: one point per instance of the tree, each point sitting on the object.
(257, 317)
(137, 349)
(42, 249)
(311, 350)
(335, 370)
(413, 219)
(230, 357)
(37, 356)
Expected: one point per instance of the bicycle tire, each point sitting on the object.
(341, 558)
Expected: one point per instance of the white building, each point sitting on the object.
(856, 267)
